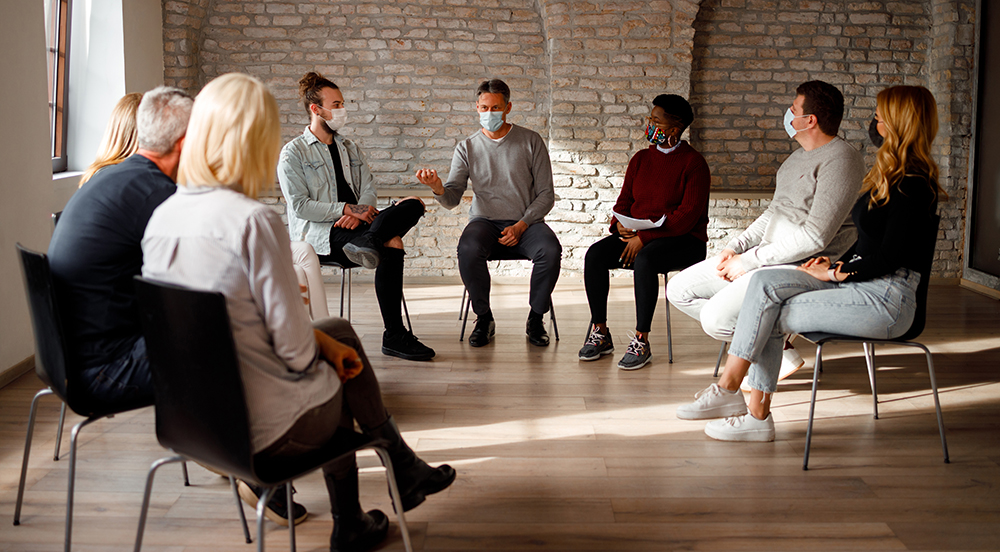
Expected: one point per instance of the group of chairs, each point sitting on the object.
(188, 338)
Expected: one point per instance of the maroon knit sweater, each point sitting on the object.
(673, 184)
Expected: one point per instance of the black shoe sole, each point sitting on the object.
(476, 343)
(406, 356)
(538, 342)
(251, 499)
(368, 258)
(598, 355)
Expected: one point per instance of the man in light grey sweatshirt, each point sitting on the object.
(511, 176)
(809, 215)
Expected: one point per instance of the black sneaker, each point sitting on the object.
(534, 328)
(276, 510)
(637, 355)
(405, 345)
(597, 345)
(483, 333)
(363, 251)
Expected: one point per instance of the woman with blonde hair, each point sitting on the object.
(120, 139)
(869, 292)
(301, 380)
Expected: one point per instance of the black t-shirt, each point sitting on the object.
(344, 191)
(97, 249)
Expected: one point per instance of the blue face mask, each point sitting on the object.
(491, 120)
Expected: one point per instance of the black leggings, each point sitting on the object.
(656, 257)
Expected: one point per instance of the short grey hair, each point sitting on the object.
(162, 118)
(494, 86)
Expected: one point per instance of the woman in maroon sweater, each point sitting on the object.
(671, 180)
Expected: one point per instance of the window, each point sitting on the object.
(57, 15)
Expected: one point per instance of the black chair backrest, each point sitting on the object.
(925, 263)
(50, 340)
(200, 406)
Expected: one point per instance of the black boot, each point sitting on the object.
(353, 529)
(414, 477)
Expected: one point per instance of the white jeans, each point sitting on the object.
(306, 266)
(700, 293)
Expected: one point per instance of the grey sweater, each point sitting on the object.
(512, 178)
(809, 214)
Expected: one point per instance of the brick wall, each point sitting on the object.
(583, 74)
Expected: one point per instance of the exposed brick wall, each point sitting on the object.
(583, 74)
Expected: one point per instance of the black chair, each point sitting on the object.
(189, 339)
(53, 367)
(345, 291)
(501, 253)
(868, 344)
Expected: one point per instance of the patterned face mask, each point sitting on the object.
(656, 135)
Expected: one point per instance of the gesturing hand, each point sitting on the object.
(430, 178)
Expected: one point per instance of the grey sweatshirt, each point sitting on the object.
(512, 178)
(809, 215)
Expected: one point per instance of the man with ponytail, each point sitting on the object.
(332, 205)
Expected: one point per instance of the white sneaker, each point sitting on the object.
(742, 428)
(713, 402)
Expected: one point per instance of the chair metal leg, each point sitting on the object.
(870, 361)
(62, 420)
(937, 403)
(343, 282)
(812, 403)
(149, 490)
(72, 477)
(462, 305)
(718, 362)
(350, 287)
(265, 497)
(552, 316)
(239, 508)
(291, 516)
(465, 317)
(27, 451)
(396, 497)
(406, 312)
(184, 469)
(670, 340)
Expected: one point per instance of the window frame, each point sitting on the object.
(57, 69)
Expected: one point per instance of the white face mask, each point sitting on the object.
(338, 118)
(491, 120)
(789, 117)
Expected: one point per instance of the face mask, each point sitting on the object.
(656, 136)
(337, 120)
(789, 117)
(491, 120)
(874, 135)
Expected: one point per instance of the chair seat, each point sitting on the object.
(823, 337)
(344, 441)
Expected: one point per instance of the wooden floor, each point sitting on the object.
(556, 454)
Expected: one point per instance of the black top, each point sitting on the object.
(889, 236)
(97, 249)
(344, 191)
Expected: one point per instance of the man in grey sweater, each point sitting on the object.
(808, 216)
(512, 178)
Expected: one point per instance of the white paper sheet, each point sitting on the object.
(638, 224)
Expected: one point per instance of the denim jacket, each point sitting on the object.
(309, 184)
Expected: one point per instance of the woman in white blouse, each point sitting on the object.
(302, 380)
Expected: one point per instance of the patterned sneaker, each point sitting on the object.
(637, 355)
(741, 428)
(597, 345)
(713, 402)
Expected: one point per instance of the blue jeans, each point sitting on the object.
(780, 302)
(125, 382)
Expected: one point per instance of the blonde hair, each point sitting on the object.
(233, 138)
(909, 114)
(119, 139)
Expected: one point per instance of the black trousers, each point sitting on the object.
(657, 257)
(393, 221)
(538, 243)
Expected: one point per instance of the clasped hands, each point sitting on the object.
(819, 268)
(344, 359)
(354, 215)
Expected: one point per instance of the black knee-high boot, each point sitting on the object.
(353, 529)
(414, 477)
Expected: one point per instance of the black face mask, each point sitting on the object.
(876, 138)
